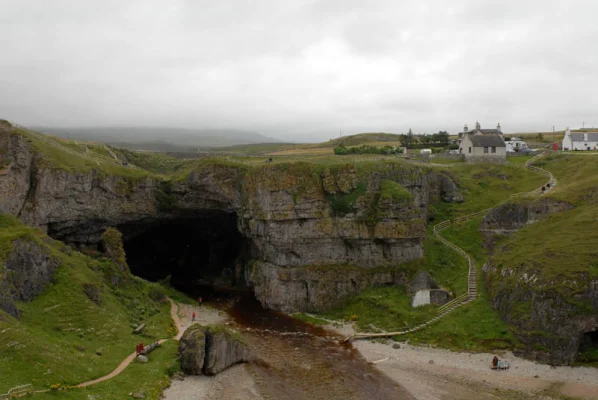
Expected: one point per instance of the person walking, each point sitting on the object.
(193, 317)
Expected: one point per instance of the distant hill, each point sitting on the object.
(160, 139)
(361, 138)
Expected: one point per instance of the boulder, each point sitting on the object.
(142, 359)
(192, 348)
(211, 349)
(224, 348)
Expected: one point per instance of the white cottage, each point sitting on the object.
(580, 140)
(483, 145)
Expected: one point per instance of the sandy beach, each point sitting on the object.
(427, 373)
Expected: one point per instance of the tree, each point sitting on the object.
(443, 138)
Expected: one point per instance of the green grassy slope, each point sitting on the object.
(65, 338)
(55, 154)
(482, 186)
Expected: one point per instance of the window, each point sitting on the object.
(470, 150)
(485, 150)
(493, 149)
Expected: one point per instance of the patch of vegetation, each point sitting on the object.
(382, 308)
(158, 163)
(309, 319)
(394, 191)
(343, 204)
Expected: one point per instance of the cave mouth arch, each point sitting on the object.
(588, 348)
(204, 248)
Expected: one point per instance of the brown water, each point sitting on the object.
(297, 360)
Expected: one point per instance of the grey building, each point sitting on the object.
(483, 145)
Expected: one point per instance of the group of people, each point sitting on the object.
(194, 315)
(498, 364)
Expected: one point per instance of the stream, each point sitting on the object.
(297, 360)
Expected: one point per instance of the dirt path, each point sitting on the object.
(121, 367)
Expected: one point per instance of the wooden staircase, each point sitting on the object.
(472, 290)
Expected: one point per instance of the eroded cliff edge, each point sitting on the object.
(548, 295)
(293, 216)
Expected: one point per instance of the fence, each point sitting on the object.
(17, 392)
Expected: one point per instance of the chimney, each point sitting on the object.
(477, 125)
(585, 136)
(498, 127)
(465, 128)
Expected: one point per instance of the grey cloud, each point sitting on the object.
(302, 69)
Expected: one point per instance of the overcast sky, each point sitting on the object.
(300, 69)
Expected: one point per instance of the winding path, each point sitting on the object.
(121, 367)
(471, 274)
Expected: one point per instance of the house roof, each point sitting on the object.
(578, 137)
(487, 141)
(490, 131)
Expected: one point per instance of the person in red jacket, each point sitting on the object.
(193, 317)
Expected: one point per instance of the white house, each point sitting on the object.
(580, 140)
(483, 145)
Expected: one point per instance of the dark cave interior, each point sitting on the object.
(205, 248)
(588, 348)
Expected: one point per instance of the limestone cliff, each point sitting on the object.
(291, 215)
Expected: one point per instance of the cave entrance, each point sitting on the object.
(205, 249)
(588, 348)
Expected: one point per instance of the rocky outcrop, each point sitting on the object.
(550, 321)
(15, 170)
(210, 350)
(315, 288)
(510, 217)
(289, 215)
(549, 307)
(223, 349)
(192, 349)
(27, 270)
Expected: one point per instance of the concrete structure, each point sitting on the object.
(425, 291)
(581, 141)
(483, 145)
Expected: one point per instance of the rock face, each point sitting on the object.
(510, 217)
(192, 349)
(315, 288)
(549, 323)
(27, 271)
(223, 349)
(550, 318)
(289, 215)
(210, 350)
